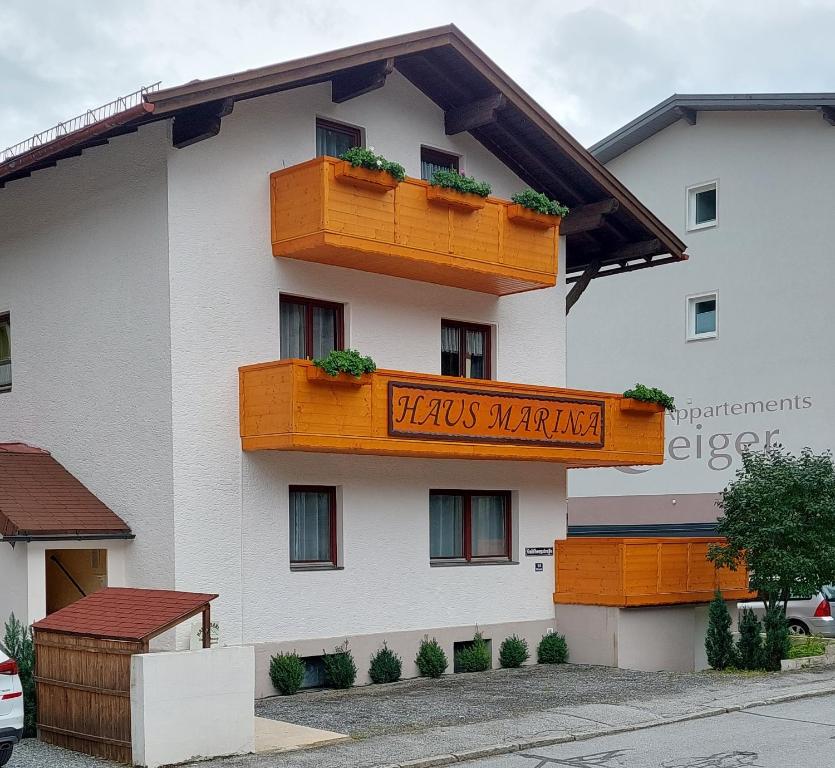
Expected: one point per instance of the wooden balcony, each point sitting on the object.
(631, 572)
(326, 211)
(292, 405)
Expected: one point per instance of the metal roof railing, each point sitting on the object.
(78, 122)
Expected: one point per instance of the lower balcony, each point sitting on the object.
(625, 572)
(291, 405)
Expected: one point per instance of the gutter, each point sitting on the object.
(30, 537)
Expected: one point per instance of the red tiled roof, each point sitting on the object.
(38, 497)
(119, 613)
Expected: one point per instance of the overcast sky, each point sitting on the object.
(594, 64)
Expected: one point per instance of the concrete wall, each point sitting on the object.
(13, 583)
(231, 533)
(83, 271)
(187, 705)
(768, 373)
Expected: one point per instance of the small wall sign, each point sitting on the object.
(538, 567)
(539, 551)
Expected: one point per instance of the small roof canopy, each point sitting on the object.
(40, 499)
(120, 613)
(608, 230)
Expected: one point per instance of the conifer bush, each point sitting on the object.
(431, 660)
(475, 657)
(340, 669)
(749, 647)
(513, 652)
(20, 646)
(386, 666)
(552, 649)
(777, 642)
(719, 642)
(287, 672)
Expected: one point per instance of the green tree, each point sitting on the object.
(719, 642)
(749, 649)
(779, 521)
(777, 643)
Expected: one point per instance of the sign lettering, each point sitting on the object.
(419, 411)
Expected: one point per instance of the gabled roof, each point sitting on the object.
(39, 499)
(610, 229)
(687, 107)
(120, 613)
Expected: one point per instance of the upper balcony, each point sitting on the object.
(329, 212)
(292, 405)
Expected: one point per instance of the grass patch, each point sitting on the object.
(809, 646)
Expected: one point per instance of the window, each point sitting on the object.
(469, 525)
(5, 353)
(312, 525)
(432, 160)
(465, 350)
(702, 206)
(702, 318)
(309, 328)
(335, 138)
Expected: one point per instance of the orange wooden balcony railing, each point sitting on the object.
(326, 211)
(636, 571)
(292, 405)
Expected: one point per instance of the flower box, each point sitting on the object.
(518, 214)
(378, 181)
(319, 376)
(639, 407)
(454, 199)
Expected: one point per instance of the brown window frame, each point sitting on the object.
(6, 318)
(462, 348)
(467, 522)
(334, 546)
(308, 323)
(439, 155)
(334, 125)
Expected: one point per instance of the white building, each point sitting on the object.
(741, 333)
(137, 277)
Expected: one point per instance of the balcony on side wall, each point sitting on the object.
(329, 212)
(292, 405)
(624, 572)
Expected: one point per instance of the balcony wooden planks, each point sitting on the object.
(320, 217)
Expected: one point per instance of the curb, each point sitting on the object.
(506, 749)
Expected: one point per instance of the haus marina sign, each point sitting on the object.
(470, 414)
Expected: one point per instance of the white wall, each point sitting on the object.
(13, 583)
(83, 271)
(231, 508)
(187, 705)
(771, 260)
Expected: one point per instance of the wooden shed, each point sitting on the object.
(83, 664)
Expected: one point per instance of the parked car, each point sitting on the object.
(11, 706)
(806, 616)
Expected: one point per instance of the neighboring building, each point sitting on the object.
(137, 279)
(741, 334)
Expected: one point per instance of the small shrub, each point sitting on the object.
(287, 672)
(749, 647)
(552, 649)
(651, 395)
(21, 647)
(431, 660)
(460, 183)
(340, 669)
(345, 361)
(475, 657)
(539, 202)
(386, 666)
(362, 157)
(513, 652)
(719, 642)
(777, 642)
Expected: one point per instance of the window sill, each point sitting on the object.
(317, 567)
(465, 564)
(703, 225)
(703, 337)
(5, 389)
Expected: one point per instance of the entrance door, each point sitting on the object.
(72, 574)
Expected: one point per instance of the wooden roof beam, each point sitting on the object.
(584, 218)
(828, 114)
(356, 82)
(687, 114)
(474, 115)
(200, 123)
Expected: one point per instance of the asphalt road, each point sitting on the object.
(800, 733)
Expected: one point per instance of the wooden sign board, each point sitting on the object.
(473, 415)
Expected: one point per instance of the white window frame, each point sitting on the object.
(690, 199)
(690, 316)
